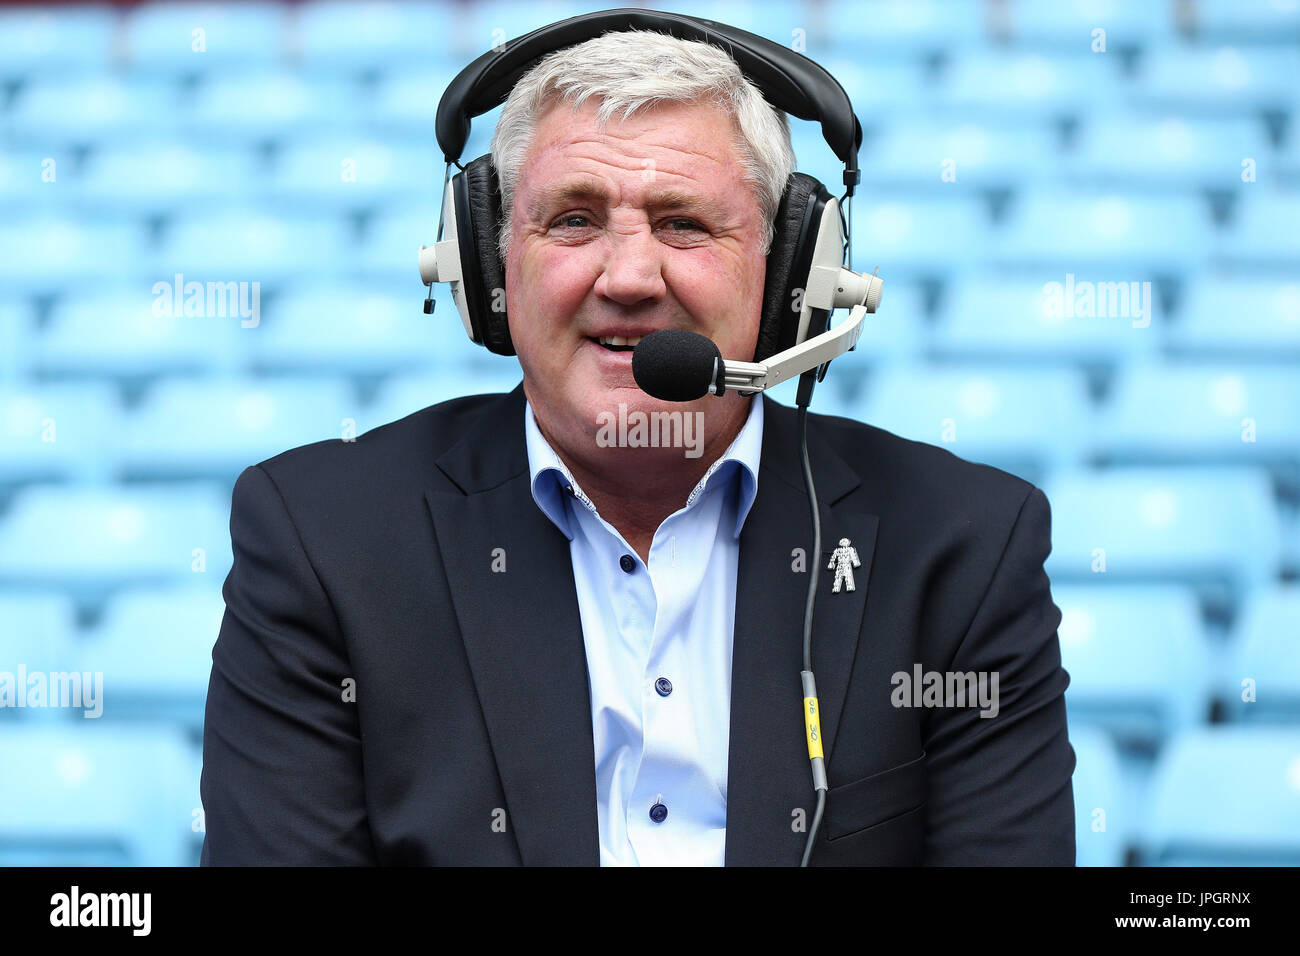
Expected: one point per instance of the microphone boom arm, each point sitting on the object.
(750, 377)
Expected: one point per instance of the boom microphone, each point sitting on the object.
(677, 366)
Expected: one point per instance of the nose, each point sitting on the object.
(633, 270)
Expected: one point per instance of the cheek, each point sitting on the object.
(551, 282)
(721, 289)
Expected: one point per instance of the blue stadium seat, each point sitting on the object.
(392, 242)
(84, 110)
(55, 41)
(130, 331)
(348, 328)
(1266, 649)
(1212, 527)
(154, 648)
(218, 427)
(486, 25)
(161, 37)
(89, 540)
(1131, 236)
(1226, 316)
(1288, 158)
(1217, 79)
(898, 331)
(275, 105)
(250, 245)
(899, 28)
(1022, 420)
(45, 255)
(1102, 823)
(352, 172)
(1168, 152)
(1226, 796)
(924, 238)
(16, 331)
(405, 101)
(881, 90)
(1263, 232)
(1028, 85)
(58, 430)
(95, 795)
(969, 153)
(1067, 25)
(405, 394)
(1273, 21)
(1211, 413)
(1012, 319)
(38, 635)
(161, 176)
(335, 36)
(36, 181)
(1138, 659)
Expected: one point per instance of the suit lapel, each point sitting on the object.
(523, 636)
(769, 776)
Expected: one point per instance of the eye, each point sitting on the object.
(684, 225)
(571, 220)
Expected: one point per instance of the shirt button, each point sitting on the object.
(658, 813)
(568, 489)
(627, 563)
(664, 686)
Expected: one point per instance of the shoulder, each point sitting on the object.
(383, 460)
(900, 476)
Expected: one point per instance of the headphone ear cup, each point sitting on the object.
(478, 214)
(789, 260)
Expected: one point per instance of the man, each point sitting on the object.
(485, 635)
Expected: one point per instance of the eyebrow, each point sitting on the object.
(562, 193)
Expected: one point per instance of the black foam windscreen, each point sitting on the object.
(675, 365)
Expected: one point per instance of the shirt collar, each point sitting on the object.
(549, 476)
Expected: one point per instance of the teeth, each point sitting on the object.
(620, 340)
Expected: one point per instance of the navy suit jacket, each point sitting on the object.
(381, 695)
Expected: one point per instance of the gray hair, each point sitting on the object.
(634, 69)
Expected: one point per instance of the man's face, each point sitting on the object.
(647, 225)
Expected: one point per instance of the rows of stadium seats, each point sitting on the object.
(295, 151)
(333, 36)
(1097, 236)
(1139, 662)
(1143, 663)
(128, 332)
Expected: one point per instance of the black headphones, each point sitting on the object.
(469, 258)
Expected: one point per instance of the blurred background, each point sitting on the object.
(1085, 212)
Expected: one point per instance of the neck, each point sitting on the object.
(635, 489)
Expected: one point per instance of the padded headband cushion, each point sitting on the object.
(777, 300)
(485, 211)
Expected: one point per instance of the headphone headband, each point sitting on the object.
(788, 80)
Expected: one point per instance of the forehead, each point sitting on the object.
(666, 154)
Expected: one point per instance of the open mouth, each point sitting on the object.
(617, 343)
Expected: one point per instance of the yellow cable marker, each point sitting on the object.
(814, 727)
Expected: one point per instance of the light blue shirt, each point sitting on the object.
(658, 743)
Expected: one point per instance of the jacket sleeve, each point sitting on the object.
(282, 780)
(1000, 786)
